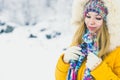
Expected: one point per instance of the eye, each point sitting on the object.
(99, 18)
(88, 16)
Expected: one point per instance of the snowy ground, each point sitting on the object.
(26, 53)
(24, 58)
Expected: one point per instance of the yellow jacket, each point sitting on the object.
(109, 69)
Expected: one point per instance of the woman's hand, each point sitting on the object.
(92, 61)
(72, 53)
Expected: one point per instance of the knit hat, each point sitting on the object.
(112, 19)
(96, 6)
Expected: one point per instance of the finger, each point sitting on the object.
(74, 56)
(93, 56)
(75, 48)
(76, 52)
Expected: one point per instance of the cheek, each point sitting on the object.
(86, 21)
(100, 24)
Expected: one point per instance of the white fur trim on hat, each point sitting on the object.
(113, 18)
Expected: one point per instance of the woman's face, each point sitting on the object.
(93, 21)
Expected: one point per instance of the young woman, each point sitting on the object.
(95, 51)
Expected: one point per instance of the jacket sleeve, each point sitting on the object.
(105, 72)
(61, 69)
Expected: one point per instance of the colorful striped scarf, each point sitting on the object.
(89, 45)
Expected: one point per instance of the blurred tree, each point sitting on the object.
(1, 5)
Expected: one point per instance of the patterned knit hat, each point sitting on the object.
(96, 6)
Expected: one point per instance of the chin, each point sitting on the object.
(91, 31)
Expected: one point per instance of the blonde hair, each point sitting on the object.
(103, 37)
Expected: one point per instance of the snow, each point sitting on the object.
(31, 52)
(24, 58)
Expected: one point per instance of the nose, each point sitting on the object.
(92, 22)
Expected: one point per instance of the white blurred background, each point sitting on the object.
(33, 34)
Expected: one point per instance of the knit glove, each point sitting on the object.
(72, 53)
(92, 61)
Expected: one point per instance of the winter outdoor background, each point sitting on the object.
(33, 34)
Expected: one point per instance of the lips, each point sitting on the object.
(91, 28)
